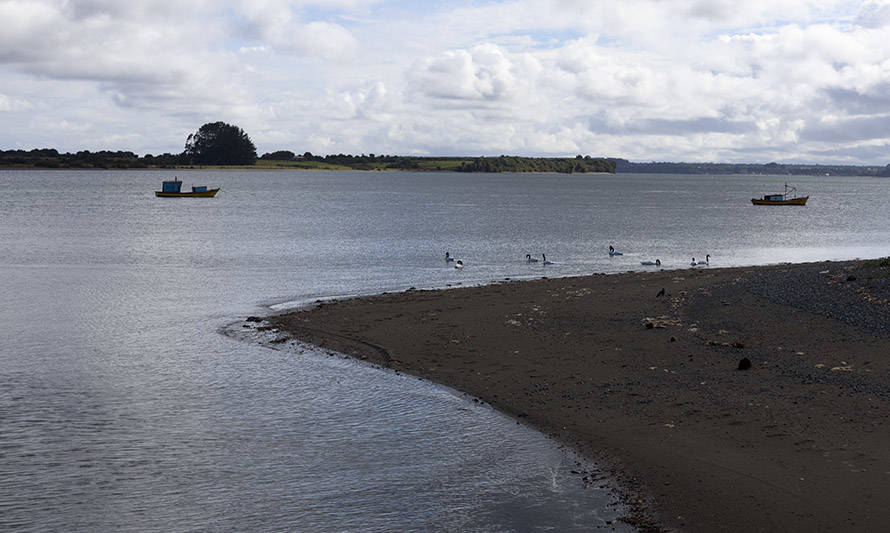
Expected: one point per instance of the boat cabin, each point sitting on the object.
(773, 197)
(172, 186)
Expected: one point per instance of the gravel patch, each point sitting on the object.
(855, 292)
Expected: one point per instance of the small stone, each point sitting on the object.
(744, 363)
(673, 339)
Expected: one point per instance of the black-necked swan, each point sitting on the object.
(530, 259)
(459, 264)
(546, 262)
(448, 257)
(657, 262)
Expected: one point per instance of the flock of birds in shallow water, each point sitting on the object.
(529, 258)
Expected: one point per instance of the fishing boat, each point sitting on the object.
(173, 189)
(788, 198)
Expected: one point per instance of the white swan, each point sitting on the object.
(448, 257)
(530, 259)
(546, 262)
(657, 262)
(459, 265)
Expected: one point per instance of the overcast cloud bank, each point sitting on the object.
(691, 80)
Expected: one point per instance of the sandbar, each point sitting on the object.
(720, 399)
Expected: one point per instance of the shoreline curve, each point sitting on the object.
(651, 385)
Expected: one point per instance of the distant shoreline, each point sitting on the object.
(868, 172)
(52, 159)
(650, 384)
(47, 158)
(286, 169)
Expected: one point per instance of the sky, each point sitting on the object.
(791, 81)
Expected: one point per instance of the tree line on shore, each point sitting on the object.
(51, 158)
(215, 143)
(501, 163)
(221, 144)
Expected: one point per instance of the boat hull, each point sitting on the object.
(202, 194)
(792, 201)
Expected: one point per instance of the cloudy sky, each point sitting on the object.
(691, 80)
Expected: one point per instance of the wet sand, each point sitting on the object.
(651, 387)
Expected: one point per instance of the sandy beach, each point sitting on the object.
(742, 399)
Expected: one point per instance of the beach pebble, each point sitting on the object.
(744, 363)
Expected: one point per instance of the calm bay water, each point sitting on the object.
(124, 406)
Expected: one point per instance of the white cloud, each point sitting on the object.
(646, 79)
(482, 73)
(874, 14)
(14, 105)
(323, 39)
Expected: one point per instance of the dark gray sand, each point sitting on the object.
(651, 385)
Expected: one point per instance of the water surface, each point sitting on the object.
(123, 406)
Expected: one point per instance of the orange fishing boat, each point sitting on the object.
(781, 199)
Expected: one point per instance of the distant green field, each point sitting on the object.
(403, 163)
(302, 165)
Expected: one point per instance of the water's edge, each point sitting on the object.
(625, 503)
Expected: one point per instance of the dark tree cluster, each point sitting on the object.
(51, 158)
(218, 143)
(280, 155)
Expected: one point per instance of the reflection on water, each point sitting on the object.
(123, 408)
